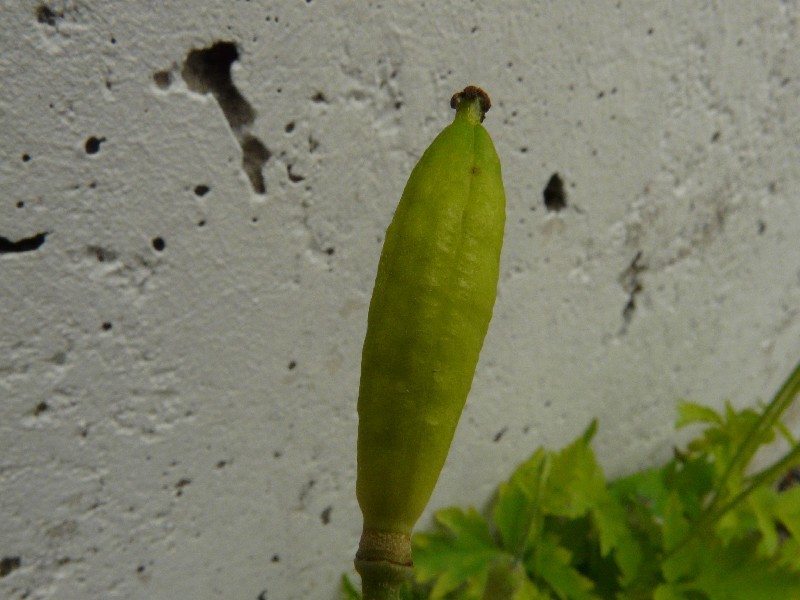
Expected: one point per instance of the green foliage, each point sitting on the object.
(704, 526)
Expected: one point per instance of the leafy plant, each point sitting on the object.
(704, 526)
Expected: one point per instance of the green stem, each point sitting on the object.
(709, 518)
(766, 420)
(713, 512)
(769, 474)
(381, 580)
(384, 562)
(787, 435)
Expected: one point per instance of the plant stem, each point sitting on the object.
(773, 411)
(769, 474)
(766, 421)
(381, 580)
(384, 562)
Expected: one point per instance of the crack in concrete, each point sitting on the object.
(208, 71)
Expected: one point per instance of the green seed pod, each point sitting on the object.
(430, 310)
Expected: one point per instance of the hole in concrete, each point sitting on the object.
(254, 155)
(208, 71)
(46, 15)
(92, 145)
(8, 564)
(27, 244)
(163, 79)
(325, 516)
(102, 254)
(293, 177)
(555, 197)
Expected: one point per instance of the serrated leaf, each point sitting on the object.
(507, 580)
(667, 591)
(730, 443)
(348, 591)
(616, 537)
(790, 554)
(528, 475)
(761, 502)
(459, 554)
(645, 486)
(576, 482)
(736, 441)
(529, 591)
(676, 526)
(733, 524)
(644, 497)
(684, 563)
(736, 572)
(517, 512)
(515, 517)
(787, 511)
(552, 563)
(675, 529)
(691, 412)
(692, 478)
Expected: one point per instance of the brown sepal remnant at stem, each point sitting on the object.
(384, 562)
(389, 546)
(471, 92)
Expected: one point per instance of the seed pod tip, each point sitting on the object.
(472, 92)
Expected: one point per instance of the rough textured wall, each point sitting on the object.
(193, 199)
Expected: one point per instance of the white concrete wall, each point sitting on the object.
(180, 423)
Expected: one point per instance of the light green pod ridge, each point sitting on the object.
(430, 310)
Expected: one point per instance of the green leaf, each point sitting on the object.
(787, 511)
(701, 527)
(552, 564)
(459, 554)
(348, 591)
(675, 529)
(507, 580)
(667, 591)
(736, 572)
(646, 487)
(576, 483)
(616, 538)
(676, 526)
(691, 412)
(644, 497)
(761, 503)
(528, 591)
(733, 443)
(790, 554)
(517, 513)
(692, 478)
(735, 524)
